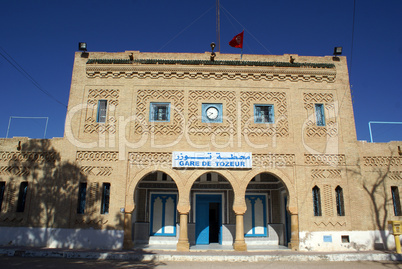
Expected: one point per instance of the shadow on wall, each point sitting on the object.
(47, 215)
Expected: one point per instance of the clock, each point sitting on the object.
(212, 113)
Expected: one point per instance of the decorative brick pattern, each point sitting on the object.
(260, 74)
(328, 201)
(97, 156)
(94, 95)
(330, 223)
(272, 160)
(14, 171)
(98, 171)
(324, 159)
(281, 126)
(176, 124)
(325, 173)
(331, 128)
(30, 157)
(382, 161)
(150, 158)
(197, 127)
(395, 175)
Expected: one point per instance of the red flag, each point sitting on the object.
(237, 41)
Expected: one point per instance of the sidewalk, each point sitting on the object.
(200, 256)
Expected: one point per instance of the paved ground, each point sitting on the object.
(62, 263)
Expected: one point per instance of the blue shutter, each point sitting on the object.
(320, 114)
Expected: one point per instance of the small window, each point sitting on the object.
(396, 201)
(82, 193)
(102, 108)
(317, 201)
(159, 112)
(211, 113)
(340, 207)
(320, 114)
(2, 188)
(263, 113)
(105, 198)
(22, 196)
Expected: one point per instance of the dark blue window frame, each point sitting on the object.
(252, 199)
(82, 193)
(164, 198)
(264, 113)
(320, 114)
(204, 109)
(396, 201)
(2, 188)
(340, 206)
(159, 112)
(317, 201)
(102, 111)
(22, 196)
(105, 198)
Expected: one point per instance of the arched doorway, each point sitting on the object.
(211, 218)
(155, 217)
(266, 221)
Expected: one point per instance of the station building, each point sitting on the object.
(185, 149)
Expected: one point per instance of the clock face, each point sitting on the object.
(212, 113)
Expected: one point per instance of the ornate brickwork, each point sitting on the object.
(14, 171)
(382, 161)
(29, 157)
(325, 173)
(328, 201)
(150, 158)
(97, 156)
(331, 127)
(98, 171)
(273, 160)
(176, 124)
(395, 175)
(281, 126)
(260, 74)
(94, 95)
(324, 159)
(197, 127)
(333, 224)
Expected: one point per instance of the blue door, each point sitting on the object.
(208, 222)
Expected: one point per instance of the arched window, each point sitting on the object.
(340, 207)
(317, 201)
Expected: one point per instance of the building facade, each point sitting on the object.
(187, 149)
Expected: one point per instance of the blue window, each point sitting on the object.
(211, 113)
(264, 114)
(82, 193)
(317, 201)
(102, 109)
(2, 187)
(320, 114)
(255, 218)
(163, 214)
(396, 201)
(159, 112)
(22, 196)
(340, 207)
(105, 198)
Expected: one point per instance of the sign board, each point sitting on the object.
(191, 159)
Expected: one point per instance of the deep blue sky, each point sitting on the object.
(42, 36)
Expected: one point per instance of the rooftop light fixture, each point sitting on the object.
(82, 46)
(337, 51)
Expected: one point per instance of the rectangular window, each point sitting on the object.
(340, 207)
(396, 201)
(317, 201)
(105, 198)
(102, 108)
(82, 193)
(2, 188)
(263, 113)
(22, 196)
(255, 218)
(320, 114)
(163, 214)
(159, 112)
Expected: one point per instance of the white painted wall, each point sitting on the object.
(61, 238)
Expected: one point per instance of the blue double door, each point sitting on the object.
(208, 222)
